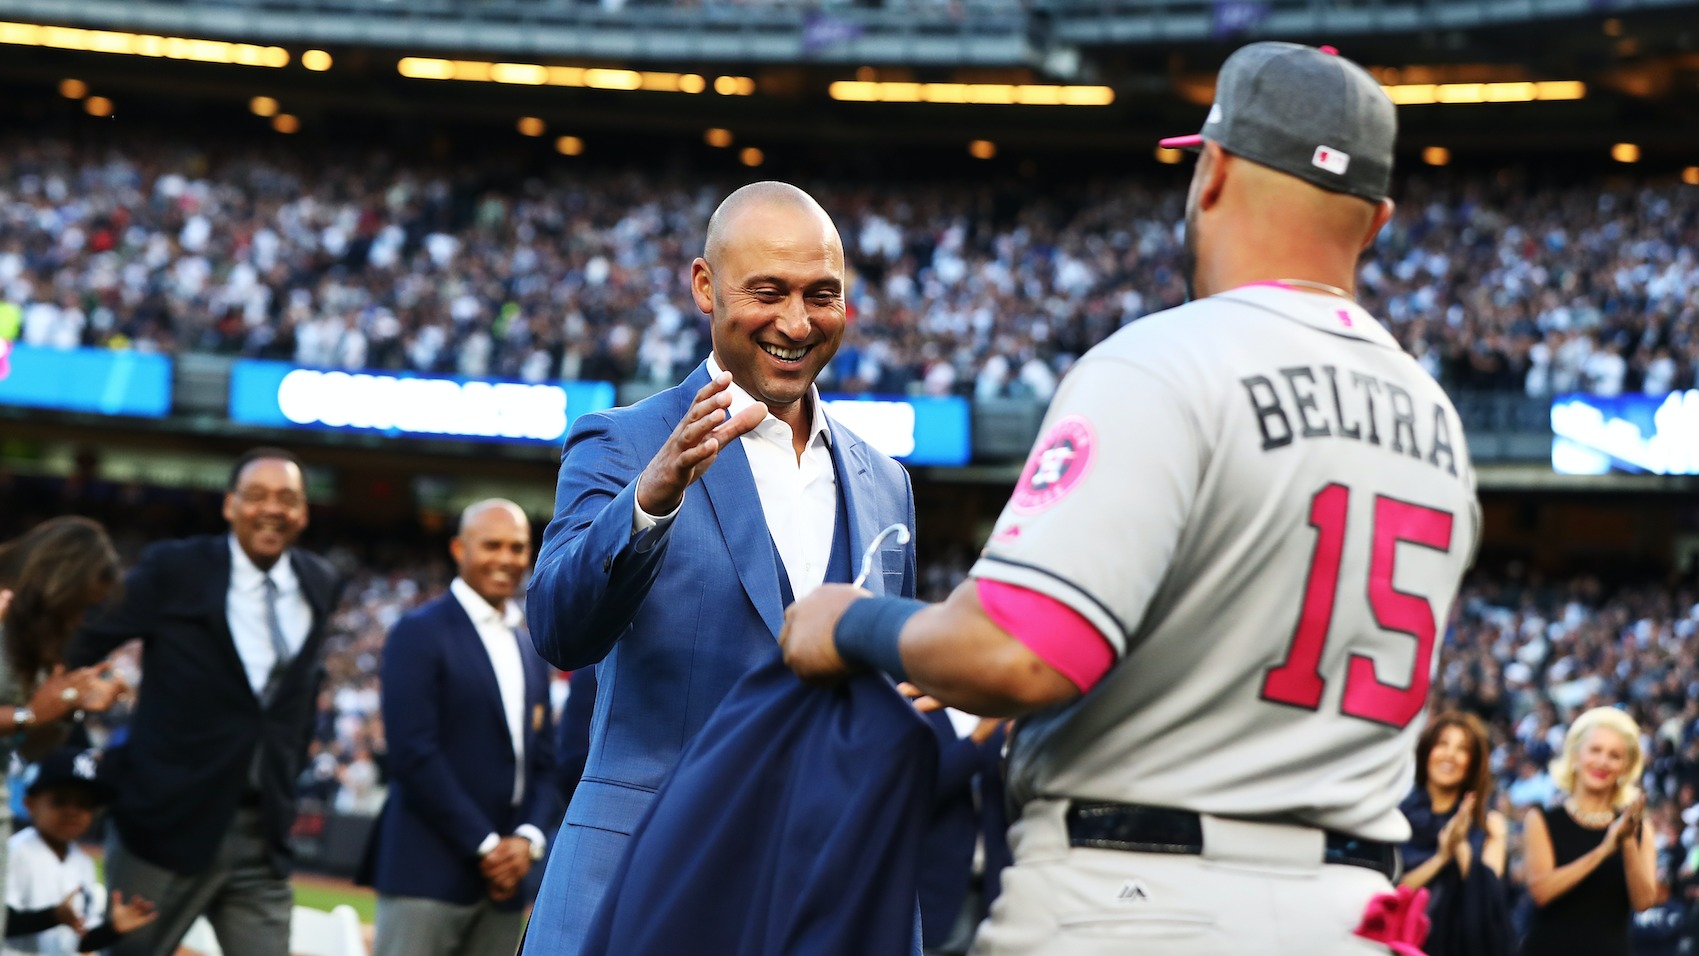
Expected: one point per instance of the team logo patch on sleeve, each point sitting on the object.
(1057, 465)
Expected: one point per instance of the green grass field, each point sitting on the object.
(321, 894)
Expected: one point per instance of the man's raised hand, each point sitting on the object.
(693, 446)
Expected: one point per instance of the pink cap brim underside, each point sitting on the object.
(1182, 142)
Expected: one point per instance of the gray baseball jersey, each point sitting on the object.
(1265, 506)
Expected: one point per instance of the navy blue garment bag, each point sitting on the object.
(791, 826)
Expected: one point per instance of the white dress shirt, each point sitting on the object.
(799, 497)
(244, 611)
(496, 629)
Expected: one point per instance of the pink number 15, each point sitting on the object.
(1298, 680)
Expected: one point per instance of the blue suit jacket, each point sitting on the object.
(675, 618)
(572, 741)
(792, 826)
(451, 765)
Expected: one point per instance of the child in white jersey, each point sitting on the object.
(54, 901)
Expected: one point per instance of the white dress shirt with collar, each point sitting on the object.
(799, 497)
(245, 612)
(497, 629)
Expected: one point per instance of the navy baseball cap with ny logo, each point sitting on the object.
(1307, 112)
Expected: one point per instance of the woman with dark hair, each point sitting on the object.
(1457, 842)
(49, 577)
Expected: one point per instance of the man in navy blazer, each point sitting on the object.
(471, 755)
(684, 524)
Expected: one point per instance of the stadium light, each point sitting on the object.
(989, 94)
(285, 123)
(734, 85)
(142, 44)
(569, 146)
(751, 156)
(316, 60)
(98, 106)
(1690, 175)
(536, 74)
(73, 89)
(263, 106)
(530, 126)
(1422, 94)
(1436, 156)
(1169, 157)
(1625, 153)
(982, 149)
(718, 138)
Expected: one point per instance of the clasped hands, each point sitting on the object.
(1626, 826)
(123, 915)
(95, 688)
(505, 865)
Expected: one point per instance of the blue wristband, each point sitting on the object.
(870, 632)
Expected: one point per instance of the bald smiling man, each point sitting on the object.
(685, 524)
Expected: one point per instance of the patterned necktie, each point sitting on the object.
(278, 645)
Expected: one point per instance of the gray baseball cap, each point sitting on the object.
(1307, 112)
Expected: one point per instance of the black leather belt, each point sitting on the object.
(1140, 829)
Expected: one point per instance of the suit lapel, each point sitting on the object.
(217, 555)
(536, 696)
(851, 456)
(729, 486)
(470, 646)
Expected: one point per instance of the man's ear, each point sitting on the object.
(1383, 215)
(1213, 166)
(702, 285)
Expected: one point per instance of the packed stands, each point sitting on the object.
(1497, 282)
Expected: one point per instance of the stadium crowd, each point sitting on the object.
(1528, 655)
(988, 289)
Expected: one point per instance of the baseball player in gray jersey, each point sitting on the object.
(1217, 592)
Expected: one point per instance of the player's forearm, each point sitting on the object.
(955, 653)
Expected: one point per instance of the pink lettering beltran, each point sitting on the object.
(1057, 466)
(5, 358)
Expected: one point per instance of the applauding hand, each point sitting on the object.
(693, 446)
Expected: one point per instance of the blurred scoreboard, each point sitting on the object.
(915, 430)
(1636, 434)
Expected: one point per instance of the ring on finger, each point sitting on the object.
(69, 694)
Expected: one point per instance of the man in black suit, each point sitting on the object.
(232, 627)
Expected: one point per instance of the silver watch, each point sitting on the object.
(23, 717)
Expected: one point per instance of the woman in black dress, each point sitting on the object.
(1590, 863)
(1457, 844)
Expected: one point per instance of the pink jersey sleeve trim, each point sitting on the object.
(1057, 633)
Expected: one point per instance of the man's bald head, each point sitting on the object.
(766, 195)
(490, 510)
